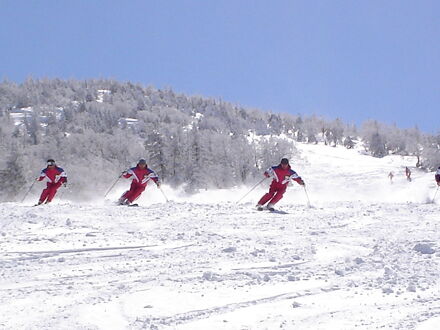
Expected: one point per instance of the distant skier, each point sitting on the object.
(140, 174)
(391, 176)
(282, 175)
(55, 177)
(408, 174)
(437, 176)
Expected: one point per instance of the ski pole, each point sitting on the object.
(27, 192)
(61, 194)
(160, 188)
(256, 185)
(307, 195)
(112, 186)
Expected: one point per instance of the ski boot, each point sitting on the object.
(123, 201)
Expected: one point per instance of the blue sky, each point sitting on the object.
(355, 60)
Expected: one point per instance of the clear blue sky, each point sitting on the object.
(355, 60)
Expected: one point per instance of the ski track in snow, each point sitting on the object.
(185, 265)
(201, 265)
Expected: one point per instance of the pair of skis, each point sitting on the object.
(272, 210)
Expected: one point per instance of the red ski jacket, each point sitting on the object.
(53, 175)
(141, 176)
(283, 176)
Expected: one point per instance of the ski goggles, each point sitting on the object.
(50, 163)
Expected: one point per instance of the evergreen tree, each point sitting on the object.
(12, 178)
(191, 140)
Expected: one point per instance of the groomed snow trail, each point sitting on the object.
(204, 266)
(365, 256)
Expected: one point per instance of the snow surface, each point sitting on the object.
(366, 255)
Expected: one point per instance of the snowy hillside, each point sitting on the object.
(366, 255)
(97, 128)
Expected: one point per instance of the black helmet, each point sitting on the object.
(142, 161)
(284, 161)
(50, 162)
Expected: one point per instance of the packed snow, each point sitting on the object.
(364, 255)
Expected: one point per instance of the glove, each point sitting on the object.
(158, 184)
(266, 175)
(438, 183)
(65, 184)
(301, 182)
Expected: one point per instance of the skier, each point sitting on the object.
(141, 174)
(437, 176)
(408, 174)
(391, 176)
(55, 178)
(282, 175)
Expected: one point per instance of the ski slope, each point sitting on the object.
(366, 255)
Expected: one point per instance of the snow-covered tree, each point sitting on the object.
(12, 178)
(189, 140)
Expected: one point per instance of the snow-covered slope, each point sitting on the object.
(365, 255)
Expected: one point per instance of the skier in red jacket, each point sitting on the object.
(282, 175)
(55, 177)
(437, 176)
(141, 174)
